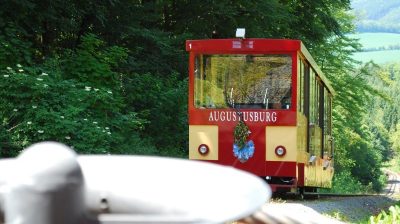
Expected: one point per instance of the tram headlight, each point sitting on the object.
(280, 151)
(203, 149)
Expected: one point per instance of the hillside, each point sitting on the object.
(379, 47)
(377, 15)
(378, 30)
(378, 41)
(379, 57)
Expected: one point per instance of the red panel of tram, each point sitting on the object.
(236, 45)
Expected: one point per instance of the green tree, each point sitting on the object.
(52, 103)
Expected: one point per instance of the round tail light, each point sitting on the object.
(203, 149)
(280, 151)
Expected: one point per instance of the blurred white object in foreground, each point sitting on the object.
(48, 183)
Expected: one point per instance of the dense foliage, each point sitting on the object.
(391, 216)
(386, 111)
(111, 76)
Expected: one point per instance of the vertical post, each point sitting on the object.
(47, 187)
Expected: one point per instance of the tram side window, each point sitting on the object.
(321, 118)
(198, 76)
(327, 124)
(315, 131)
(300, 86)
(243, 81)
(311, 118)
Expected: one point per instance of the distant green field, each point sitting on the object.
(379, 57)
(376, 40)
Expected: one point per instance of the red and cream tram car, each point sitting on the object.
(263, 106)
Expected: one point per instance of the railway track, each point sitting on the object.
(314, 196)
(393, 184)
(354, 207)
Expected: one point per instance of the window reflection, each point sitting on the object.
(243, 81)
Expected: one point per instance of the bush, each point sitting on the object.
(71, 105)
(393, 216)
(345, 183)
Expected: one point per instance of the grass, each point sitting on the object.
(378, 40)
(392, 215)
(394, 164)
(337, 215)
(379, 57)
(389, 217)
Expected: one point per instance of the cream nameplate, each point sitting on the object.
(248, 116)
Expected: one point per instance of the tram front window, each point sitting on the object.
(243, 81)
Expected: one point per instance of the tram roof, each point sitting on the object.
(256, 46)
